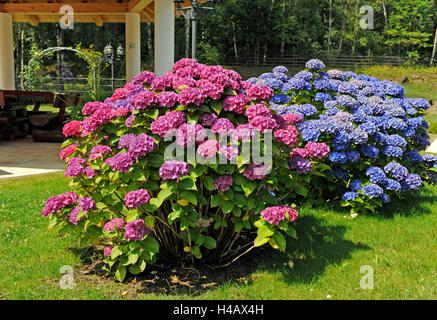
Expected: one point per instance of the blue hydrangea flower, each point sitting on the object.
(338, 157)
(353, 155)
(368, 127)
(273, 83)
(305, 75)
(281, 98)
(397, 124)
(392, 185)
(391, 151)
(376, 175)
(267, 75)
(280, 69)
(347, 101)
(340, 173)
(315, 64)
(310, 135)
(420, 103)
(413, 181)
(396, 170)
(355, 185)
(350, 196)
(359, 136)
(372, 190)
(307, 109)
(322, 96)
(395, 140)
(414, 156)
(370, 151)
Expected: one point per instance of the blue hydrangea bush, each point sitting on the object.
(375, 133)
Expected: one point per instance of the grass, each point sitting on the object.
(399, 243)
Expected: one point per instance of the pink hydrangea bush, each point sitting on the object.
(135, 195)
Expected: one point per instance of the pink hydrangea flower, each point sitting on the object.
(119, 94)
(292, 118)
(135, 230)
(208, 149)
(136, 198)
(98, 151)
(171, 120)
(274, 215)
(211, 90)
(107, 251)
(114, 224)
(263, 123)
(191, 95)
(167, 99)
(223, 126)
(90, 172)
(243, 132)
(256, 171)
(183, 82)
(56, 203)
(185, 62)
(163, 82)
(73, 128)
(73, 215)
(299, 152)
(67, 151)
(288, 136)
(208, 119)
(126, 140)
(91, 107)
(224, 182)
(174, 170)
(230, 152)
(87, 204)
(236, 103)
(144, 100)
(258, 110)
(130, 120)
(141, 145)
(317, 149)
(120, 162)
(144, 77)
(188, 134)
(260, 92)
(75, 167)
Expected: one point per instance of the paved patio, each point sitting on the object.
(24, 157)
(433, 147)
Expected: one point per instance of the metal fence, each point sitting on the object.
(297, 61)
(75, 85)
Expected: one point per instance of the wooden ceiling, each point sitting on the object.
(94, 11)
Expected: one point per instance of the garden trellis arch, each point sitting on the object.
(82, 55)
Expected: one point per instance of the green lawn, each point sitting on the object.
(399, 243)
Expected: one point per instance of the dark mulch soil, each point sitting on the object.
(177, 278)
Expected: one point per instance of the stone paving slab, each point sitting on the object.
(24, 157)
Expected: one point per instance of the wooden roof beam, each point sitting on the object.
(98, 19)
(53, 8)
(138, 5)
(33, 19)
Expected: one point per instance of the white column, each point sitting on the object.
(7, 70)
(164, 35)
(133, 45)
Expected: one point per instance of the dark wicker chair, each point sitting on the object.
(47, 126)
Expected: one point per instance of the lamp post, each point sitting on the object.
(108, 51)
(193, 13)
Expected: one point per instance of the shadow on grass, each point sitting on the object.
(317, 247)
(417, 204)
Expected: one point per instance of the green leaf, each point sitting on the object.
(131, 259)
(116, 252)
(138, 268)
(152, 113)
(265, 231)
(217, 106)
(208, 182)
(196, 252)
(216, 200)
(149, 221)
(209, 243)
(156, 160)
(198, 170)
(190, 196)
(150, 244)
(120, 274)
(188, 184)
(228, 205)
(280, 240)
(259, 241)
